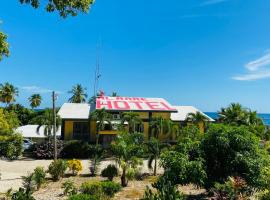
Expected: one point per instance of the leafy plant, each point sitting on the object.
(110, 172)
(92, 188)
(57, 169)
(75, 166)
(83, 197)
(39, 176)
(22, 194)
(95, 161)
(69, 188)
(45, 150)
(11, 146)
(77, 149)
(109, 188)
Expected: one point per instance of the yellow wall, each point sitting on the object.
(68, 130)
(164, 115)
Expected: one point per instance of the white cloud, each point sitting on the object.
(212, 2)
(257, 69)
(36, 89)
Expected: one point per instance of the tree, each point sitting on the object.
(154, 148)
(102, 117)
(35, 100)
(8, 93)
(46, 120)
(159, 126)
(132, 119)
(64, 7)
(127, 149)
(196, 118)
(78, 94)
(4, 51)
(24, 115)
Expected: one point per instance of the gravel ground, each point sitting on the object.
(12, 171)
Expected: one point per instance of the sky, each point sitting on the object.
(204, 53)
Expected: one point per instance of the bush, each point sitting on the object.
(109, 188)
(39, 176)
(57, 169)
(22, 194)
(83, 197)
(110, 172)
(11, 146)
(77, 149)
(75, 166)
(45, 150)
(91, 187)
(69, 188)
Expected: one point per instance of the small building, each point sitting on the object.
(76, 124)
(30, 132)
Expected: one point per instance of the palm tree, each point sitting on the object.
(35, 100)
(102, 117)
(114, 94)
(132, 119)
(46, 120)
(78, 94)
(154, 148)
(197, 119)
(8, 93)
(159, 126)
(234, 114)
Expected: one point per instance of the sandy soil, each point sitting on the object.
(12, 171)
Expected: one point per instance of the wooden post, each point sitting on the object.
(54, 126)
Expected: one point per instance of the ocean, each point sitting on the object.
(264, 117)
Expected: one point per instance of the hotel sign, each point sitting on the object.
(133, 104)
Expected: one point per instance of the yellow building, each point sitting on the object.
(76, 124)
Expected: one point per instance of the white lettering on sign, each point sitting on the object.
(133, 103)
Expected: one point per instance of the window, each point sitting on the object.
(81, 130)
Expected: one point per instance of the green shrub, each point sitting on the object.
(92, 187)
(109, 188)
(69, 188)
(39, 176)
(83, 197)
(77, 149)
(110, 172)
(45, 150)
(57, 169)
(22, 194)
(11, 146)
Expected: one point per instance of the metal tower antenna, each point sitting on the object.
(97, 70)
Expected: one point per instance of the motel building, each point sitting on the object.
(76, 124)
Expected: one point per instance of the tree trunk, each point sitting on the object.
(97, 137)
(155, 167)
(123, 178)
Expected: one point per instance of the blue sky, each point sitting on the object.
(205, 53)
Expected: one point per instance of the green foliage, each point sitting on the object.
(22, 194)
(57, 169)
(8, 93)
(95, 161)
(78, 94)
(127, 149)
(39, 176)
(233, 151)
(35, 100)
(45, 150)
(133, 120)
(110, 172)
(24, 115)
(78, 149)
(83, 197)
(11, 146)
(4, 47)
(191, 131)
(107, 188)
(165, 191)
(69, 188)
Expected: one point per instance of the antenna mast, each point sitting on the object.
(97, 71)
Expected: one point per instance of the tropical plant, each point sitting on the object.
(3, 46)
(8, 93)
(197, 118)
(95, 160)
(133, 119)
(109, 188)
(22, 194)
(92, 188)
(163, 126)
(46, 121)
(45, 150)
(78, 94)
(11, 146)
(57, 169)
(127, 149)
(39, 176)
(83, 197)
(154, 148)
(110, 172)
(35, 100)
(75, 166)
(102, 117)
(24, 115)
(69, 188)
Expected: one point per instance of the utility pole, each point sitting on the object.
(54, 126)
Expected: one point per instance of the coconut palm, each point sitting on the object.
(46, 120)
(196, 118)
(159, 126)
(8, 93)
(78, 94)
(35, 100)
(114, 94)
(132, 119)
(154, 148)
(102, 117)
